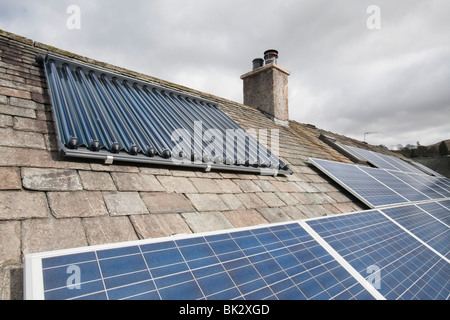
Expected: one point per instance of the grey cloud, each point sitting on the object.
(344, 77)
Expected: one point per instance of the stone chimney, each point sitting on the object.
(266, 87)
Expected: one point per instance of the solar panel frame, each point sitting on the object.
(408, 268)
(425, 226)
(384, 161)
(354, 179)
(242, 266)
(422, 183)
(426, 170)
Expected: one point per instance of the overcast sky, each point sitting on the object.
(353, 70)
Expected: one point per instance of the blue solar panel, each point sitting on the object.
(353, 178)
(438, 210)
(396, 184)
(423, 225)
(422, 184)
(445, 204)
(384, 161)
(407, 268)
(276, 262)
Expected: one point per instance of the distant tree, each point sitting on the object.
(433, 151)
(443, 149)
(406, 150)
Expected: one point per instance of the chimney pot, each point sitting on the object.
(270, 56)
(257, 63)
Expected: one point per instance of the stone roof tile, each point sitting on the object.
(159, 225)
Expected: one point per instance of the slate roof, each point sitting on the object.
(48, 202)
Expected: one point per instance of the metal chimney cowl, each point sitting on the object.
(270, 56)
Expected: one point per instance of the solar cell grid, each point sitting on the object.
(279, 262)
(408, 269)
(422, 184)
(396, 184)
(445, 204)
(437, 210)
(384, 161)
(423, 225)
(364, 186)
(373, 158)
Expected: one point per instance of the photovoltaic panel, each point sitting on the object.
(396, 184)
(364, 186)
(423, 225)
(437, 210)
(275, 262)
(406, 267)
(373, 158)
(379, 187)
(426, 169)
(384, 161)
(423, 184)
(445, 204)
(401, 251)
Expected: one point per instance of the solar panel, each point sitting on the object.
(423, 225)
(437, 210)
(396, 184)
(426, 169)
(379, 187)
(423, 184)
(398, 252)
(358, 182)
(373, 158)
(406, 267)
(384, 161)
(275, 262)
(110, 117)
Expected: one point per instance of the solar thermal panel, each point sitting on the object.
(108, 116)
(274, 262)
